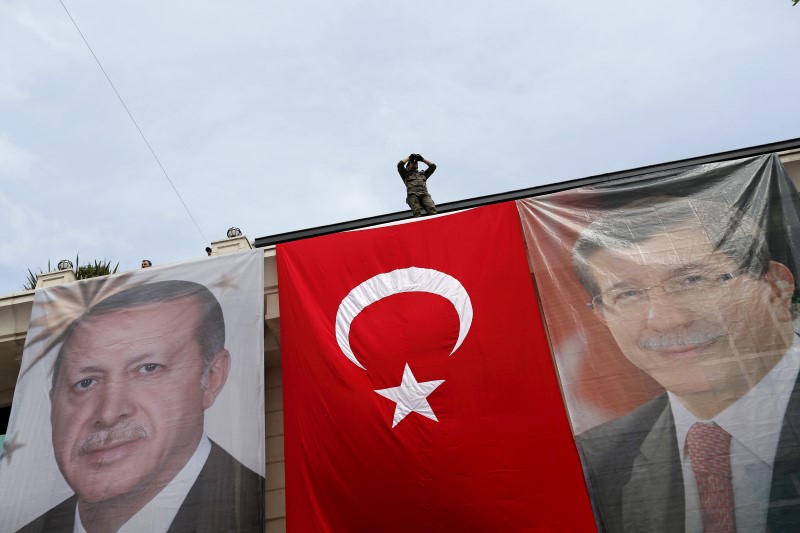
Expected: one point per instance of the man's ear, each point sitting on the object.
(781, 282)
(217, 375)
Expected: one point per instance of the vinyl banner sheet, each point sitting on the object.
(669, 300)
(139, 405)
(420, 394)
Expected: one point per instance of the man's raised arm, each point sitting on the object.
(401, 166)
(431, 166)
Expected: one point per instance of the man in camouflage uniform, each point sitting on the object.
(416, 187)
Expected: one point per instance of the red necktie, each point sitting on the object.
(709, 450)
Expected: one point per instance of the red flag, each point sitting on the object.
(419, 391)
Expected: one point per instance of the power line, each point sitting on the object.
(134, 122)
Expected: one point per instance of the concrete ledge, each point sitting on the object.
(230, 246)
(59, 277)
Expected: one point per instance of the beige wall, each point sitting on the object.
(275, 478)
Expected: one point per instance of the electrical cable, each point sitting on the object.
(205, 240)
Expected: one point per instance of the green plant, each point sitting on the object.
(89, 270)
(99, 268)
(30, 283)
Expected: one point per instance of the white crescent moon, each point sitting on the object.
(410, 279)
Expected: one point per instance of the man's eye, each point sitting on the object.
(84, 384)
(691, 281)
(149, 368)
(629, 295)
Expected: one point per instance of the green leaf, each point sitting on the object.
(89, 270)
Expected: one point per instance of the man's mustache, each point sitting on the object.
(107, 437)
(677, 340)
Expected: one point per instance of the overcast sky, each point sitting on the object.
(280, 116)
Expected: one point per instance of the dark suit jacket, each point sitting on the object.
(227, 496)
(634, 473)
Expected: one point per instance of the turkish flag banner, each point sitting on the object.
(419, 390)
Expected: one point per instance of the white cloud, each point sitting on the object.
(280, 117)
(20, 13)
(15, 161)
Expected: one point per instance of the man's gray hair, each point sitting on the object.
(730, 230)
(209, 330)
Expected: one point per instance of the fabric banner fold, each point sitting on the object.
(671, 303)
(140, 403)
(419, 391)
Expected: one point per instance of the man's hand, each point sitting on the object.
(416, 158)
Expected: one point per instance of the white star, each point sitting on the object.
(411, 396)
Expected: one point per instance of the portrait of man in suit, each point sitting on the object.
(692, 296)
(130, 385)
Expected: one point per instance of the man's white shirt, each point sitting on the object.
(754, 422)
(159, 512)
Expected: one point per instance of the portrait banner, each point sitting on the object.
(140, 403)
(419, 391)
(670, 304)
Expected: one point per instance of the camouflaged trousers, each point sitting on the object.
(416, 201)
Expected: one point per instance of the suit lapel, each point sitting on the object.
(653, 498)
(784, 498)
(226, 497)
(195, 510)
(59, 518)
